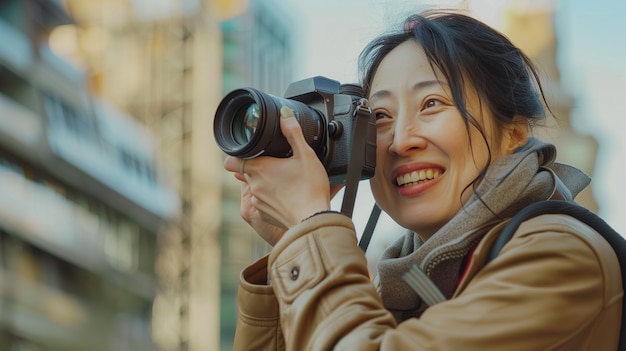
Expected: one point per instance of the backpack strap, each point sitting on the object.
(617, 241)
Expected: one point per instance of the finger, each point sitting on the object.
(292, 131)
(240, 177)
(246, 197)
(236, 164)
(233, 164)
(260, 205)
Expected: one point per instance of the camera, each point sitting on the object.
(333, 116)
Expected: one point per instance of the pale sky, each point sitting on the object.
(593, 64)
(592, 59)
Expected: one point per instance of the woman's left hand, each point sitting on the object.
(285, 190)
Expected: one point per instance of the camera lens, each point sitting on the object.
(247, 124)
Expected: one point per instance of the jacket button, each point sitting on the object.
(295, 272)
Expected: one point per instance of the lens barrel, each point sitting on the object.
(247, 124)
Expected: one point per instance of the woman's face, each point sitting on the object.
(424, 159)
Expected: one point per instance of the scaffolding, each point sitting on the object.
(163, 71)
(174, 100)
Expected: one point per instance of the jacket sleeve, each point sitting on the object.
(258, 325)
(326, 300)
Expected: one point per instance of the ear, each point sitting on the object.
(516, 134)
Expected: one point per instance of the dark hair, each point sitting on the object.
(463, 48)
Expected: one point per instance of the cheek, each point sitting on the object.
(380, 189)
(384, 138)
(377, 183)
(479, 150)
(383, 142)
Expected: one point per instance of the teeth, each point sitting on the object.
(417, 176)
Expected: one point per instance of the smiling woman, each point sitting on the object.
(416, 113)
(455, 103)
(418, 110)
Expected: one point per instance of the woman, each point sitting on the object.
(454, 102)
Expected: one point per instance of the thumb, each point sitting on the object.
(292, 131)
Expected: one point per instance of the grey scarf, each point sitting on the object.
(510, 183)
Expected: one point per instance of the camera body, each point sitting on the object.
(246, 124)
(338, 103)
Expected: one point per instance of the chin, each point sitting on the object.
(421, 223)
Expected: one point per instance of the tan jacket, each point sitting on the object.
(555, 286)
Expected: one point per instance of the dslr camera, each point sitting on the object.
(333, 116)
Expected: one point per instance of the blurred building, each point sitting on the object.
(531, 26)
(168, 65)
(82, 201)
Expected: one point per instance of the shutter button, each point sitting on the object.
(295, 272)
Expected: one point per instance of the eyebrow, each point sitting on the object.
(419, 85)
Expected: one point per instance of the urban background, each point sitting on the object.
(119, 229)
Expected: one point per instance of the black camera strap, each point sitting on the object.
(355, 168)
(369, 228)
(357, 156)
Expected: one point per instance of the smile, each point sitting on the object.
(417, 177)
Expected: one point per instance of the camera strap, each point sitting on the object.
(355, 168)
(356, 161)
(369, 228)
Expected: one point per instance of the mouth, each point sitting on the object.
(418, 177)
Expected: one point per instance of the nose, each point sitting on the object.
(406, 137)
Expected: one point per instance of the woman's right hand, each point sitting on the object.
(278, 193)
(269, 231)
(264, 226)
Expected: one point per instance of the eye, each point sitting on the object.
(430, 103)
(381, 115)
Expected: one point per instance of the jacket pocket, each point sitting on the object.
(298, 268)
